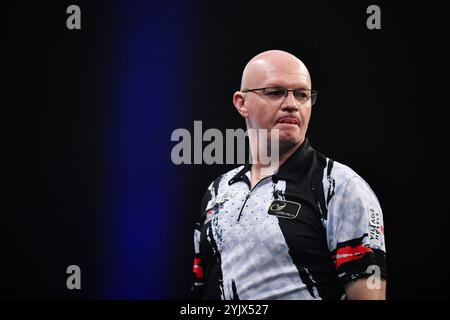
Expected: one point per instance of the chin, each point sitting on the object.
(293, 137)
(287, 142)
(290, 137)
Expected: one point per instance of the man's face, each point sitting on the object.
(287, 115)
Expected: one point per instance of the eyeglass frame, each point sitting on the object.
(313, 92)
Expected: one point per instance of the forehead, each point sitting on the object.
(276, 70)
(288, 79)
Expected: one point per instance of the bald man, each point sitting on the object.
(305, 228)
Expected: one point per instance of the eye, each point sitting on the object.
(274, 92)
(301, 94)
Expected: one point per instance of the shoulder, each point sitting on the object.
(354, 211)
(339, 172)
(342, 180)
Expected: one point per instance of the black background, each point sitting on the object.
(382, 110)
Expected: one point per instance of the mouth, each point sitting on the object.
(288, 120)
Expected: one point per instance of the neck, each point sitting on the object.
(260, 171)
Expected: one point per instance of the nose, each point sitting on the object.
(289, 104)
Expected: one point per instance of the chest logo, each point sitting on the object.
(284, 209)
(277, 206)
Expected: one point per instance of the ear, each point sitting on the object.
(239, 103)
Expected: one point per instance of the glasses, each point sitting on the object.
(278, 94)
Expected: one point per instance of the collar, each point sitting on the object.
(296, 166)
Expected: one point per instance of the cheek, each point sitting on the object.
(260, 117)
(305, 116)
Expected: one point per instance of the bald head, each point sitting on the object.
(289, 115)
(274, 67)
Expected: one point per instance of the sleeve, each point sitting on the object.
(355, 231)
(198, 280)
(198, 277)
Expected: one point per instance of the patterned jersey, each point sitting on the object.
(301, 233)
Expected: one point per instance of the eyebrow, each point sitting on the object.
(275, 85)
